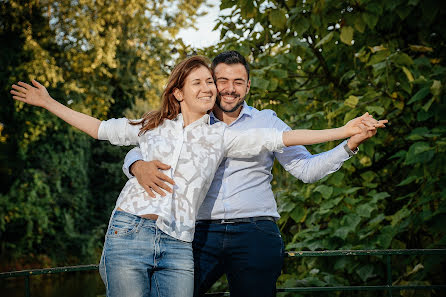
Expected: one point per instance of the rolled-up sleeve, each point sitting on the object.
(132, 156)
(305, 166)
(119, 132)
(250, 143)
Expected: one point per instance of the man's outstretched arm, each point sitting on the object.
(310, 168)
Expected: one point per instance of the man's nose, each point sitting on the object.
(231, 87)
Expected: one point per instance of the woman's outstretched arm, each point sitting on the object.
(355, 126)
(38, 96)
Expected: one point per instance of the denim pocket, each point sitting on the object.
(268, 227)
(123, 224)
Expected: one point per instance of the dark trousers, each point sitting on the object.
(250, 254)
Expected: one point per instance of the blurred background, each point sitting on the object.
(317, 63)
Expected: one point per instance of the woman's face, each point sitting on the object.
(198, 93)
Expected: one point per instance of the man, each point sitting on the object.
(236, 233)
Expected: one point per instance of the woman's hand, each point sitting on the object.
(37, 95)
(366, 122)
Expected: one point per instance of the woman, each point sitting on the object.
(148, 250)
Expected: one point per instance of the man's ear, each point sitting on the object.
(178, 95)
(248, 86)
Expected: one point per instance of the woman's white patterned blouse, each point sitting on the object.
(194, 153)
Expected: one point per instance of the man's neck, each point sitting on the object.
(226, 117)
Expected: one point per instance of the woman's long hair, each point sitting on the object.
(170, 107)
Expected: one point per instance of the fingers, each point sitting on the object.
(161, 165)
(18, 94)
(19, 98)
(165, 178)
(369, 122)
(37, 84)
(149, 191)
(372, 123)
(163, 185)
(19, 89)
(157, 189)
(25, 85)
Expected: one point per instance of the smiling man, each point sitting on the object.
(236, 232)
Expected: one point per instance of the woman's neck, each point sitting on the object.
(190, 117)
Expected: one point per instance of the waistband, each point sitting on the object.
(238, 220)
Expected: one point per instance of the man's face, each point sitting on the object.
(232, 86)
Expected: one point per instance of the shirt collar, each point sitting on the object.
(246, 110)
(204, 119)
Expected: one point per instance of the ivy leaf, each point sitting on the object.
(365, 272)
(419, 152)
(259, 83)
(374, 8)
(277, 18)
(407, 181)
(351, 101)
(436, 88)
(375, 109)
(420, 48)
(418, 133)
(326, 39)
(279, 73)
(402, 59)
(350, 115)
(325, 191)
(349, 224)
(347, 35)
(359, 24)
(298, 214)
(365, 210)
(428, 104)
(301, 25)
(403, 11)
(419, 95)
(352, 190)
(408, 74)
(370, 19)
(368, 176)
(400, 215)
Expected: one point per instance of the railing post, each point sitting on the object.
(27, 290)
(389, 275)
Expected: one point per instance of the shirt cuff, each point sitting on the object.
(102, 131)
(279, 142)
(127, 163)
(350, 152)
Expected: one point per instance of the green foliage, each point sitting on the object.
(102, 58)
(333, 61)
(317, 63)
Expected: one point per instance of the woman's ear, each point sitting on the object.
(178, 95)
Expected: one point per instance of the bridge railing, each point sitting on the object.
(388, 286)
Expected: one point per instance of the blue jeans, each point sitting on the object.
(139, 260)
(250, 254)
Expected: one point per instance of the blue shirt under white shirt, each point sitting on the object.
(241, 187)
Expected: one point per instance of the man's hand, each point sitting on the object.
(150, 177)
(359, 138)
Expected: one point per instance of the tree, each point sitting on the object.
(321, 63)
(101, 58)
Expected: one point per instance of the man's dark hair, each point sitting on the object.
(230, 57)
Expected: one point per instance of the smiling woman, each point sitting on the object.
(198, 95)
(178, 134)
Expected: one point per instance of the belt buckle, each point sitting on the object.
(223, 221)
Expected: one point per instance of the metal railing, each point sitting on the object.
(389, 287)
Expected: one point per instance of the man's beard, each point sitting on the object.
(218, 102)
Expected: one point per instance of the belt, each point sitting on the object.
(239, 220)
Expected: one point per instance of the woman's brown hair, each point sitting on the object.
(170, 107)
